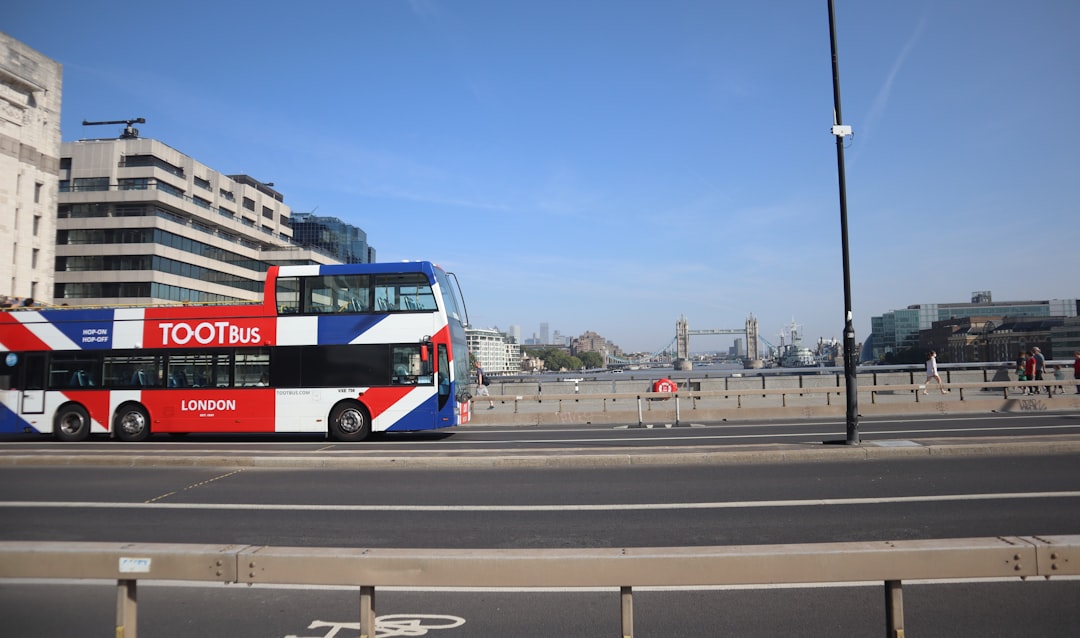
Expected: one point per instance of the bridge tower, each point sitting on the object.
(753, 349)
(682, 345)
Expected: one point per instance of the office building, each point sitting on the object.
(898, 330)
(993, 338)
(347, 243)
(1066, 338)
(140, 223)
(30, 92)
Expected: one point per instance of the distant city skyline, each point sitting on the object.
(976, 299)
(612, 167)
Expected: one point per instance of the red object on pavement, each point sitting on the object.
(665, 385)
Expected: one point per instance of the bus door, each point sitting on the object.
(412, 386)
(446, 402)
(443, 376)
(33, 384)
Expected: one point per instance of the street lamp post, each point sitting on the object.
(850, 356)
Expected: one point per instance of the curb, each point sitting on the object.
(575, 457)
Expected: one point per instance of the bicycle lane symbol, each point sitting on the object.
(388, 626)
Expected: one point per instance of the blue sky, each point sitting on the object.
(613, 165)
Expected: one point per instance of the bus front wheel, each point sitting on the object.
(350, 422)
(132, 423)
(72, 423)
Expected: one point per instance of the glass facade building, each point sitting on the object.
(345, 242)
(899, 329)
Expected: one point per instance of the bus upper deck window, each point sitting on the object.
(288, 295)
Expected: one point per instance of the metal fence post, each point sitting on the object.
(126, 609)
(894, 609)
(367, 612)
(627, 596)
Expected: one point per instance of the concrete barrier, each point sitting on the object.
(889, 562)
(750, 399)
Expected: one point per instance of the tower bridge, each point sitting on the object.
(683, 333)
(677, 351)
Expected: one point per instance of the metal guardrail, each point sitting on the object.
(889, 562)
(730, 402)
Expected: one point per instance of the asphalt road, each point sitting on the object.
(987, 609)
(469, 443)
(548, 507)
(893, 496)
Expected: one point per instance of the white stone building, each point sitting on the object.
(30, 92)
(496, 352)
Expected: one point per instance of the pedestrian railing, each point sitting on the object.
(676, 407)
(888, 562)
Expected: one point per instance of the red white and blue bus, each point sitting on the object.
(342, 350)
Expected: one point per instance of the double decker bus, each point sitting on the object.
(343, 350)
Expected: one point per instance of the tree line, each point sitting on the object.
(556, 359)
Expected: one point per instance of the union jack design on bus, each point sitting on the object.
(342, 350)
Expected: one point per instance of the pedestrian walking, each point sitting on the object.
(932, 373)
(1021, 369)
(1059, 376)
(1040, 369)
(1029, 372)
(1076, 370)
(482, 383)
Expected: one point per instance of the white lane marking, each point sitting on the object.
(194, 486)
(599, 507)
(389, 625)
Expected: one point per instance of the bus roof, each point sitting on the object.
(358, 269)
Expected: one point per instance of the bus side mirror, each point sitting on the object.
(424, 356)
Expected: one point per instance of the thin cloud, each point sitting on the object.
(877, 107)
(425, 9)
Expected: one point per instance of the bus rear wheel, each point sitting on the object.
(72, 423)
(131, 423)
(350, 422)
